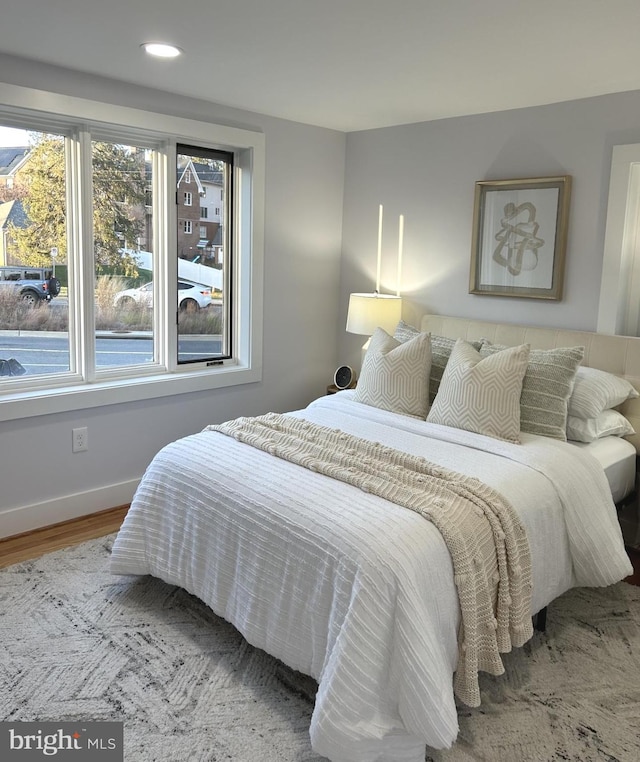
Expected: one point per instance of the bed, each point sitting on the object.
(343, 584)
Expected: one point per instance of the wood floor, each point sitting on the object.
(22, 547)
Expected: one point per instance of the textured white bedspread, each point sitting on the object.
(351, 589)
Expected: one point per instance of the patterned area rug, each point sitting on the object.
(78, 643)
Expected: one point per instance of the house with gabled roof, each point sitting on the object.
(12, 160)
(11, 213)
(200, 208)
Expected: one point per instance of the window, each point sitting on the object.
(120, 174)
(213, 303)
(188, 199)
(29, 240)
(108, 234)
(187, 177)
(204, 212)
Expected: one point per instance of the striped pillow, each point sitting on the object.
(395, 376)
(546, 388)
(441, 347)
(596, 390)
(482, 394)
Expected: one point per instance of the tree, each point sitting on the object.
(119, 183)
(118, 204)
(44, 202)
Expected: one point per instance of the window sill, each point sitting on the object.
(30, 404)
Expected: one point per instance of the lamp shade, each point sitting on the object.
(368, 311)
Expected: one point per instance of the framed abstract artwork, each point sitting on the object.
(519, 237)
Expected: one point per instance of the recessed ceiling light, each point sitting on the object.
(161, 49)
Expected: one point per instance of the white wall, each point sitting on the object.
(41, 481)
(427, 172)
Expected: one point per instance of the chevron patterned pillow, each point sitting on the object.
(546, 388)
(482, 394)
(395, 376)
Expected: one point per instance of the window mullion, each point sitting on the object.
(247, 285)
(81, 335)
(83, 282)
(167, 257)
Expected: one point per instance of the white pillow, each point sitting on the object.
(482, 394)
(395, 375)
(596, 390)
(610, 423)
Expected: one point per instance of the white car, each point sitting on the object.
(190, 298)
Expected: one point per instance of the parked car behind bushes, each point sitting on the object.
(191, 297)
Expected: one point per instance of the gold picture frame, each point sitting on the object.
(520, 237)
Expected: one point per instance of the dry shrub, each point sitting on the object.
(207, 322)
(109, 317)
(10, 304)
(125, 317)
(18, 315)
(107, 286)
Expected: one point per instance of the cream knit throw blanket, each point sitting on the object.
(487, 542)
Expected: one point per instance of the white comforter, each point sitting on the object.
(351, 589)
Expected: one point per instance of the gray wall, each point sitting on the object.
(39, 475)
(427, 172)
(424, 171)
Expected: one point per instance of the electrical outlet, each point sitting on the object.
(80, 440)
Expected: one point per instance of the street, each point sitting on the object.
(49, 353)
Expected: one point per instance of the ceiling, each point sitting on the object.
(344, 64)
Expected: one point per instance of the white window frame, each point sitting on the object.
(619, 311)
(39, 110)
(188, 227)
(188, 198)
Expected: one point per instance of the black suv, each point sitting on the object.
(34, 284)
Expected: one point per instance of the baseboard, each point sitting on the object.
(26, 518)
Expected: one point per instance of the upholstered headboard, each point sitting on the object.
(616, 354)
